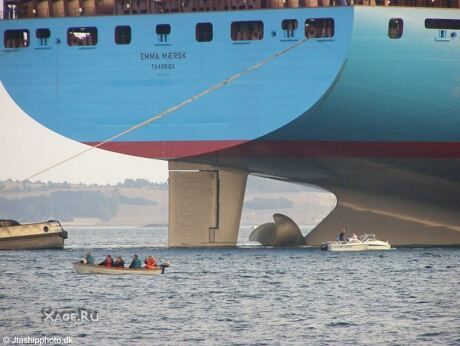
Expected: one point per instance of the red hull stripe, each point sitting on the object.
(167, 150)
(288, 149)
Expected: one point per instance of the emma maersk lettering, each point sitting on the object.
(163, 56)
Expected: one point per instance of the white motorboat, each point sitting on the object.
(373, 243)
(363, 243)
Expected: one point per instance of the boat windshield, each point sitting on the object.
(366, 236)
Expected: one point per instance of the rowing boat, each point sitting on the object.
(83, 268)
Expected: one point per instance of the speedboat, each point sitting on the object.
(363, 243)
(85, 268)
(352, 244)
(373, 243)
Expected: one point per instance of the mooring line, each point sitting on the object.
(169, 110)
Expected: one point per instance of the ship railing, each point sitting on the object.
(82, 11)
(74, 8)
(168, 6)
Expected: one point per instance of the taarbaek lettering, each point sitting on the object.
(163, 66)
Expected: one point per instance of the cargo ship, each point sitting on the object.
(361, 98)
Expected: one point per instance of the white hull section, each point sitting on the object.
(373, 243)
(29, 147)
(379, 245)
(342, 247)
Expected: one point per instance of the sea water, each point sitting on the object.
(248, 295)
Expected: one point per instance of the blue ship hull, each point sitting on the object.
(358, 85)
(322, 112)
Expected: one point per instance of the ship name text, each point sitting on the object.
(163, 56)
(163, 60)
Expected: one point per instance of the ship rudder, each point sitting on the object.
(205, 204)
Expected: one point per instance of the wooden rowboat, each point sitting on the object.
(83, 268)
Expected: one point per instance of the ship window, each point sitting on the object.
(319, 28)
(203, 32)
(16, 38)
(289, 27)
(395, 28)
(123, 34)
(82, 36)
(249, 30)
(452, 24)
(43, 35)
(163, 31)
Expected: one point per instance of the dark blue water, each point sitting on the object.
(248, 295)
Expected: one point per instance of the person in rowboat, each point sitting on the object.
(150, 262)
(119, 262)
(88, 259)
(108, 262)
(136, 262)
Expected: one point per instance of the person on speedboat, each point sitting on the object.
(341, 236)
(108, 262)
(136, 262)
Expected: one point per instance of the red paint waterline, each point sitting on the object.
(288, 149)
(167, 150)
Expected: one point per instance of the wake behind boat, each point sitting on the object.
(85, 268)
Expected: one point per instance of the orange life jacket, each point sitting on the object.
(150, 263)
